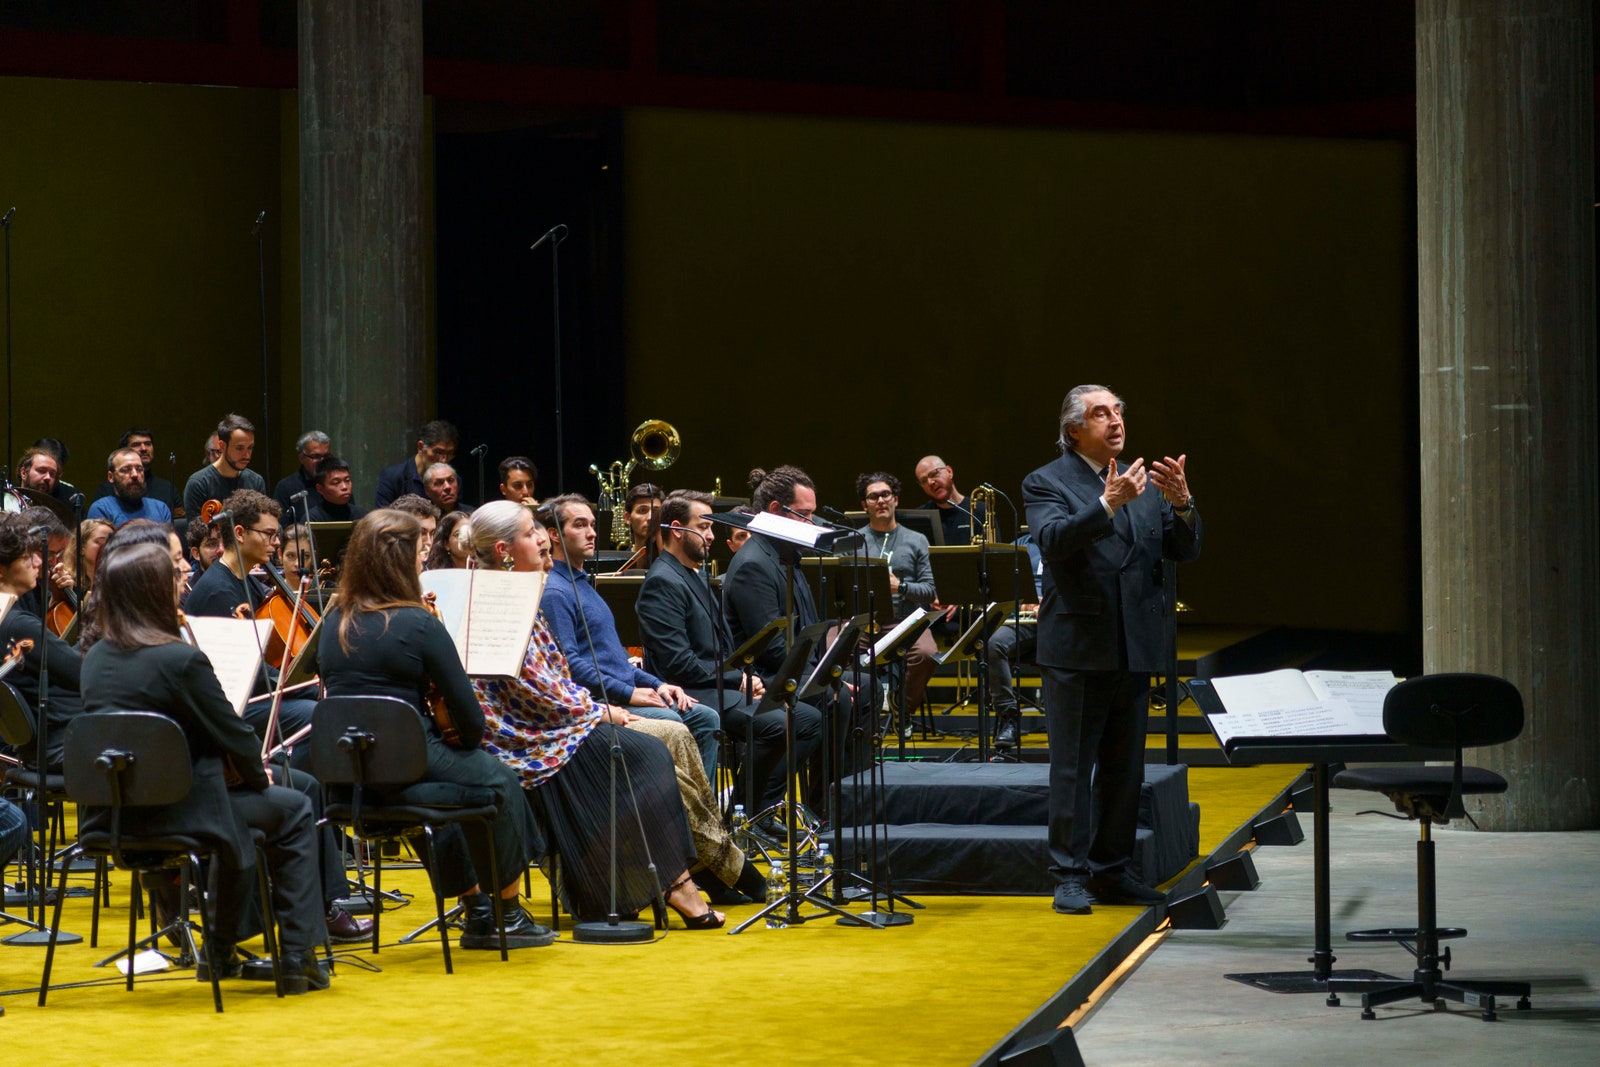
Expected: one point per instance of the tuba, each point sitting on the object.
(655, 444)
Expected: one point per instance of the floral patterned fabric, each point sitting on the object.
(535, 722)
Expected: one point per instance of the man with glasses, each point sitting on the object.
(128, 499)
(155, 487)
(436, 443)
(938, 481)
(910, 580)
(311, 449)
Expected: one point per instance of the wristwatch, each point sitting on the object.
(1188, 506)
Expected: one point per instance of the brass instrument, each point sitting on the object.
(982, 529)
(655, 444)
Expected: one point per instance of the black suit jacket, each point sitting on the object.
(755, 591)
(1098, 582)
(679, 622)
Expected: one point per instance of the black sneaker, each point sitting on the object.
(1123, 888)
(1071, 898)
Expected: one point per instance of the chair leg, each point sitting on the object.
(438, 904)
(495, 898)
(55, 931)
(133, 918)
(269, 920)
(101, 883)
(377, 894)
(208, 912)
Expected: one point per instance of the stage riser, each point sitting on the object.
(981, 828)
(940, 859)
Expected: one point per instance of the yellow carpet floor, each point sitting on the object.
(941, 991)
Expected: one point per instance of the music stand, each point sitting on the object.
(328, 541)
(849, 595)
(743, 659)
(621, 594)
(978, 574)
(973, 644)
(891, 651)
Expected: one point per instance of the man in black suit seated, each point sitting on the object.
(1102, 538)
(686, 639)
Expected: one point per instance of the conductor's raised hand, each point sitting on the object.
(1171, 479)
(1123, 486)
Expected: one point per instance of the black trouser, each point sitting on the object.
(284, 816)
(330, 857)
(1006, 640)
(1097, 724)
(766, 763)
(461, 858)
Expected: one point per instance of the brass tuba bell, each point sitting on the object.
(656, 444)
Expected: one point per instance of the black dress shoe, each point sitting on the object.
(1005, 736)
(1123, 888)
(302, 974)
(719, 892)
(521, 931)
(232, 966)
(752, 883)
(346, 929)
(1071, 898)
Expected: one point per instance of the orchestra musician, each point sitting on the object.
(141, 662)
(436, 443)
(1102, 538)
(223, 588)
(155, 487)
(910, 579)
(937, 479)
(687, 638)
(22, 556)
(425, 512)
(92, 534)
(294, 555)
(443, 487)
(586, 630)
(1016, 636)
(547, 728)
(518, 479)
(333, 500)
(452, 544)
(310, 449)
(643, 509)
(380, 640)
(129, 498)
(229, 472)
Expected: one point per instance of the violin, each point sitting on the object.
(436, 705)
(18, 648)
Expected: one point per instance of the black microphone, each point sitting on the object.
(480, 450)
(6, 222)
(219, 516)
(832, 513)
(260, 219)
(38, 531)
(556, 233)
(671, 527)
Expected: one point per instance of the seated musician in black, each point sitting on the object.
(142, 663)
(686, 639)
(229, 583)
(21, 560)
(381, 641)
(331, 500)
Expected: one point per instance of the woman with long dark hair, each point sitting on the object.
(380, 640)
(140, 662)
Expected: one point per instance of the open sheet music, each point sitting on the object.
(6, 601)
(489, 615)
(887, 641)
(1291, 703)
(234, 647)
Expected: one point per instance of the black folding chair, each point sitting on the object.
(1440, 711)
(138, 759)
(371, 754)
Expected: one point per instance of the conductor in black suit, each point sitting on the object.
(686, 640)
(1103, 537)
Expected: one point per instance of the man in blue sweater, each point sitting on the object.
(587, 633)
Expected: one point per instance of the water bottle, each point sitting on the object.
(824, 862)
(738, 818)
(776, 888)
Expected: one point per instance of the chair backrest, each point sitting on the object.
(378, 741)
(16, 717)
(127, 759)
(1453, 711)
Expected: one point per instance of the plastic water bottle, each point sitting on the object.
(824, 861)
(738, 818)
(776, 888)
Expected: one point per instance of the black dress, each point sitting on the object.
(398, 653)
(65, 667)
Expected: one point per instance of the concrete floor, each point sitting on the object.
(1530, 903)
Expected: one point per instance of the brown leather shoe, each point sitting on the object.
(346, 929)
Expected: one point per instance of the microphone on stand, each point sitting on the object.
(556, 233)
(302, 496)
(260, 219)
(217, 519)
(6, 221)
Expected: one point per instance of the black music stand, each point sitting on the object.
(743, 659)
(839, 592)
(973, 644)
(893, 654)
(783, 693)
(1319, 752)
(621, 594)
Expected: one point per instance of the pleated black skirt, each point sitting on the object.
(650, 823)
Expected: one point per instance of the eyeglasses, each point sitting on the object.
(887, 494)
(270, 535)
(933, 474)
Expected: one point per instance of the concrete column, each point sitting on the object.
(1506, 308)
(363, 301)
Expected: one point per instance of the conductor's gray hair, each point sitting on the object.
(1074, 412)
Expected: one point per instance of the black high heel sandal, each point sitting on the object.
(708, 920)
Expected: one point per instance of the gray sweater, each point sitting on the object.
(907, 552)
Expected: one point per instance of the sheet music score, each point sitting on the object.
(234, 647)
(492, 629)
(887, 640)
(800, 533)
(6, 601)
(1291, 703)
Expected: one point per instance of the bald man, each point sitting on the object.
(938, 481)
